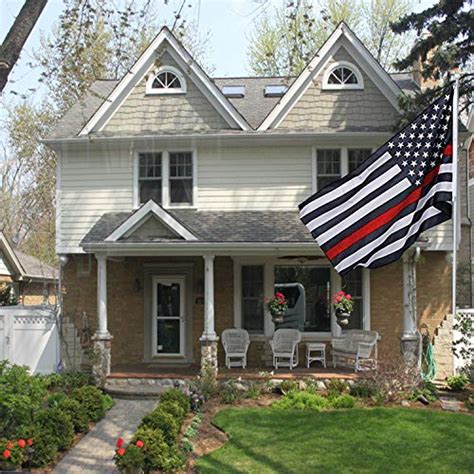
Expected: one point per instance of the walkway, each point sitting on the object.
(94, 453)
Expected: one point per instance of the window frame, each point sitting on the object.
(338, 64)
(165, 177)
(150, 90)
(269, 264)
(141, 178)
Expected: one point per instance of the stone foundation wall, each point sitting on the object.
(126, 303)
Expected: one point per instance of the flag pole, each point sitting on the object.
(455, 188)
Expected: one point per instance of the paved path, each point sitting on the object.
(93, 454)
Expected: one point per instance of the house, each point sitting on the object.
(177, 206)
(31, 281)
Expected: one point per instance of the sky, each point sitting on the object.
(229, 22)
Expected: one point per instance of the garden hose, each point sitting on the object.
(428, 364)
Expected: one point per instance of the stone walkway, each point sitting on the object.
(94, 453)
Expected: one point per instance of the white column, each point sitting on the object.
(209, 328)
(409, 296)
(102, 295)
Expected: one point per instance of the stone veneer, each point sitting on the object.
(126, 305)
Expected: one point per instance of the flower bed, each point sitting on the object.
(154, 446)
(41, 415)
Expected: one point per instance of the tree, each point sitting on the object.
(282, 43)
(18, 34)
(444, 45)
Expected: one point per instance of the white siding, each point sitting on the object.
(257, 178)
(91, 184)
(4, 270)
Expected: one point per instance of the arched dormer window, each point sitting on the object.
(166, 80)
(343, 75)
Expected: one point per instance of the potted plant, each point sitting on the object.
(278, 306)
(343, 306)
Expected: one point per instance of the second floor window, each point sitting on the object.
(149, 177)
(328, 167)
(166, 177)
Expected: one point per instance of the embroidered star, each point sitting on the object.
(411, 173)
(404, 163)
(413, 163)
(391, 145)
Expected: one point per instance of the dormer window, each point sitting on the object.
(166, 80)
(343, 75)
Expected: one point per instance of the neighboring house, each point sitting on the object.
(177, 205)
(30, 280)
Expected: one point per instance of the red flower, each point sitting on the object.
(21, 443)
(6, 454)
(119, 443)
(10, 445)
(121, 451)
(280, 296)
(30, 442)
(348, 296)
(139, 444)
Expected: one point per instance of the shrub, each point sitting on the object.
(73, 409)
(287, 386)
(160, 419)
(363, 389)
(229, 392)
(175, 395)
(301, 400)
(68, 381)
(174, 409)
(426, 389)
(206, 384)
(342, 401)
(107, 402)
(12, 455)
(130, 457)
(44, 450)
(254, 391)
(158, 455)
(91, 402)
(55, 399)
(457, 383)
(337, 387)
(58, 425)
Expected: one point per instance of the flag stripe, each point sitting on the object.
(383, 219)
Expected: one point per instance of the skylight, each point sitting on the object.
(233, 91)
(275, 90)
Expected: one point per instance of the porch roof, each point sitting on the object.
(213, 227)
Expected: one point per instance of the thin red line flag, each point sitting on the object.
(371, 216)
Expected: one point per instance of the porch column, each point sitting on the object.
(102, 337)
(410, 338)
(209, 338)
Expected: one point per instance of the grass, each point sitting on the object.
(385, 440)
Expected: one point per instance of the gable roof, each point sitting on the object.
(23, 265)
(377, 73)
(141, 215)
(143, 65)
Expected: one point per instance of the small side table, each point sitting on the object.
(320, 353)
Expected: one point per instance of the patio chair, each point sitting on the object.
(355, 348)
(235, 342)
(285, 348)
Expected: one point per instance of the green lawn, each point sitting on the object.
(381, 440)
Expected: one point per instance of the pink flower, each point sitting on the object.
(341, 293)
(121, 451)
(348, 296)
(6, 454)
(139, 444)
(21, 443)
(119, 443)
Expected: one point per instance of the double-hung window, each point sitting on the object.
(253, 298)
(356, 156)
(166, 177)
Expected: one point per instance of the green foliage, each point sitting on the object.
(20, 396)
(287, 386)
(7, 296)
(134, 457)
(73, 409)
(229, 392)
(427, 389)
(107, 402)
(363, 389)
(11, 455)
(68, 381)
(463, 345)
(176, 395)
(158, 455)
(302, 400)
(254, 391)
(457, 383)
(91, 401)
(342, 401)
(337, 387)
(206, 384)
(56, 424)
(160, 419)
(174, 408)
(55, 399)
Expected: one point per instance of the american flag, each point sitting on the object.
(371, 216)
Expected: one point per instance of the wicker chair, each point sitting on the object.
(236, 343)
(285, 348)
(355, 348)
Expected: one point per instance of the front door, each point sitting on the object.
(168, 316)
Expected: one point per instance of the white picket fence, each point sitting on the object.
(29, 336)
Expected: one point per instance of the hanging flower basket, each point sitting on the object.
(343, 306)
(277, 306)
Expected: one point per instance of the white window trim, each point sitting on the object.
(344, 160)
(165, 194)
(149, 90)
(268, 284)
(356, 71)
